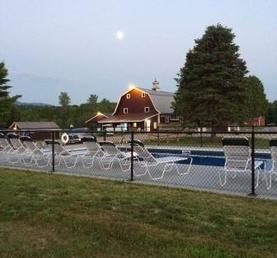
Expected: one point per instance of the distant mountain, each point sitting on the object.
(35, 104)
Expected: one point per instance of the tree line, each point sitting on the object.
(67, 115)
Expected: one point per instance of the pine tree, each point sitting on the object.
(210, 89)
(7, 104)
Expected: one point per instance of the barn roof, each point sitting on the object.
(35, 125)
(162, 100)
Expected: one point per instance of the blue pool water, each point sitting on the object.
(202, 157)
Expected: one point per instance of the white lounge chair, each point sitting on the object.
(62, 155)
(34, 155)
(273, 169)
(113, 154)
(16, 143)
(5, 146)
(146, 160)
(93, 152)
(18, 149)
(237, 158)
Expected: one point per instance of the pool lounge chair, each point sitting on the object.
(93, 152)
(34, 155)
(5, 146)
(146, 160)
(18, 149)
(112, 154)
(62, 155)
(273, 170)
(237, 158)
(15, 142)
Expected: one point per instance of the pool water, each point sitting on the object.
(204, 158)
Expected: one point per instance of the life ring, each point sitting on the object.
(65, 138)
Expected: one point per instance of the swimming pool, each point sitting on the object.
(203, 157)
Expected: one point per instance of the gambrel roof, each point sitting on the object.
(162, 100)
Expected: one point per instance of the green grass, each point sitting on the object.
(61, 216)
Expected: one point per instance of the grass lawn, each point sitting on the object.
(61, 216)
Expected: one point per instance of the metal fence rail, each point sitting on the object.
(243, 163)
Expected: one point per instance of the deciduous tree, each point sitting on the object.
(64, 99)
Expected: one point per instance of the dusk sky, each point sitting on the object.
(64, 45)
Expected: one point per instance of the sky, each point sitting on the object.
(51, 46)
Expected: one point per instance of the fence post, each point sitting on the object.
(53, 151)
(159, 142)
(104, 135)
(132, 156)
(253, 162)
(201, 136)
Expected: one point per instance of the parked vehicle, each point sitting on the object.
(75, 135)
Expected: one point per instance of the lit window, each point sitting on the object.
(146, 109)
(134, 124)
(128, 96)
(125, 110)
(143, 94)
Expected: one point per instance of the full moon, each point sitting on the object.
(120, 35)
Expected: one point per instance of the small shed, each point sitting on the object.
(36, 130)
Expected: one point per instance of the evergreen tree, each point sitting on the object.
(210, 89)
(256, 102)
(7, 104)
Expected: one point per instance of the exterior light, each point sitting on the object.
(131, 86)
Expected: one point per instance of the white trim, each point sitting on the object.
(125, 110)
(128, 96)
(95, 116)
(128, 121)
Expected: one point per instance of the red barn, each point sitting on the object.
(257, 121)
(142, 109)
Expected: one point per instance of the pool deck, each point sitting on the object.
(200, 177)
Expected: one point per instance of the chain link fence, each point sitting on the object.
(238, 162)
